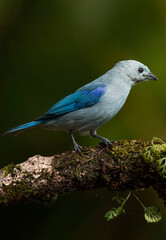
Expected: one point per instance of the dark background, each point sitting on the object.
(48, 49)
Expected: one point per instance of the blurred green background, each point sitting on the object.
(48, 49)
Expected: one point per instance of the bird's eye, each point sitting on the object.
(140, 70)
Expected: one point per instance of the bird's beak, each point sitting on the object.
(151, 76)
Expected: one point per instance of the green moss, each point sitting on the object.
(24, 191)
(15, 191)
(8, 169)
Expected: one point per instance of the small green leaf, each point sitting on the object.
(148, 155)
(115, 212)
(152, 153)
(161, 166)
(152, 214)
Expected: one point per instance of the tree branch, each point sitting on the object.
(121, 167)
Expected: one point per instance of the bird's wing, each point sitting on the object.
(82, 98)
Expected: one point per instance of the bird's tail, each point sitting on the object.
(22, 128)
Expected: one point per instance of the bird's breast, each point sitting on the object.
(113, 100)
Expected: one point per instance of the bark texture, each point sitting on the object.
(121, 167)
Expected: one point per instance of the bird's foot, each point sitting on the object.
(106, 142)
(77, 148)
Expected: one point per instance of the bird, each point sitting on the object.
(92, 105)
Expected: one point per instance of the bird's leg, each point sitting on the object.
(104, 140)
(77, 147)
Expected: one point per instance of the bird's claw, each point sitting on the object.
(77, 148)
(106, 142)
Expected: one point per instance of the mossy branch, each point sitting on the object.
(121, 167)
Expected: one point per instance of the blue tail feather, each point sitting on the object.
(22, 128)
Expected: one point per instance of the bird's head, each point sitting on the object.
(135, 71)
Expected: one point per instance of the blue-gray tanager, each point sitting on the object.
(92, 105)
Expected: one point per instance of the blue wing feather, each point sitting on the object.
(83, 97)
